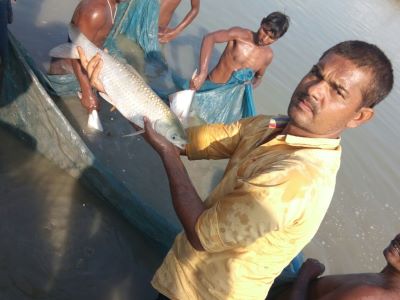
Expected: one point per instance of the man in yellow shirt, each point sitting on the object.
(278, 183)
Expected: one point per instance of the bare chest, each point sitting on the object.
(246, 55)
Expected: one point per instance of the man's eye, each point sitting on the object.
(339, 92)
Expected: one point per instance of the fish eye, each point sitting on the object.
(173, 137)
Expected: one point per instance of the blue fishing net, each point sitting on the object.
(138, 21)
(223, 103)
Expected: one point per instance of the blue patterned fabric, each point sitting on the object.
(224, 103)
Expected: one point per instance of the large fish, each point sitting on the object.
(126, 90)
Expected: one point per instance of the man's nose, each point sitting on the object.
(317, 89)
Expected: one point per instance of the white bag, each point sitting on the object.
(180, 104)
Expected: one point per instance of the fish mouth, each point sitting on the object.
(181, 145)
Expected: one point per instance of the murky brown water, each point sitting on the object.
(364, 214)
(59, 241)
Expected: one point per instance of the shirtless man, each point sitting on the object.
(372, 286)
(245, 49)
(167, 8)
(94, 18)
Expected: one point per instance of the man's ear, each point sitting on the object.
(362, 116)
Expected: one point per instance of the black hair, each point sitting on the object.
(277, 22)
(371, 58)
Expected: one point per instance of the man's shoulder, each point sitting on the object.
(240, 33)
(364, 291)
(93, 7)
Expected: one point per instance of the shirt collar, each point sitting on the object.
(323, 143)
(281, 121)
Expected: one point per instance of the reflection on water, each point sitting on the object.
(364, 212)
(59, 241)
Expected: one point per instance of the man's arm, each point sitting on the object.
(89, 24)
(310, 270)
(207, 45)
(187, 203)
(171, 33)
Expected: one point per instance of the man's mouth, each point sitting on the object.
(306, 105)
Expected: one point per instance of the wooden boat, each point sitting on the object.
(126, 172)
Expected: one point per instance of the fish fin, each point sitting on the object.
(107, 98)
(135, 133)
(113, 108)
(66, 50)
(94, 121)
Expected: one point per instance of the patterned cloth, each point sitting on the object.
(223, 102)
(138, 21)
(267, 207)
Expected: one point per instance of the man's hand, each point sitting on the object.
(90, 102)
(312, 268)
(197, 81)
(93, 68)
(166, 35)
(157, 141)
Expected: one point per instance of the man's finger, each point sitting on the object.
(82, 57)
(96, 72)
(92, 64)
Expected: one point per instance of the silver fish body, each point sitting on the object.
(128, 92)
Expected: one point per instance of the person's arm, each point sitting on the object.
(187, 203)
(89, 24)
(310, 270)
(171, 33)
(207, 45)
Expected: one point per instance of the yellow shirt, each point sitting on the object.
(267, 207)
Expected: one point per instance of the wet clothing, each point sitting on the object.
(138, 21)
(267, 207)
(223, 102)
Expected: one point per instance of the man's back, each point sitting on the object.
(95, 18)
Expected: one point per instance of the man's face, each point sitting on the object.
(329, 98)
(392, 253)
(265, 36)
